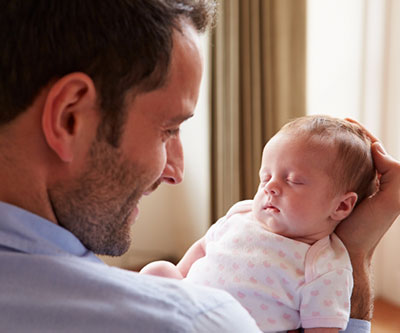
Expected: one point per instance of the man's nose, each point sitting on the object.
(173, 171)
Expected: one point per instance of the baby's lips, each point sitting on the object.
(271, 207)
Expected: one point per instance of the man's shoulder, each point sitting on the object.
(51, 292)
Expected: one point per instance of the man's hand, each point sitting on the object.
(364, 228)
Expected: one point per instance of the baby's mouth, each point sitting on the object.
(271, 208)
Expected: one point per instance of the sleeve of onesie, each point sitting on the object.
(218, 228)
(214, 231)
(325, 300)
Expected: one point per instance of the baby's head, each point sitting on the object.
(313, 172)
(352, 168)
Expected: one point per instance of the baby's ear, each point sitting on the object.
(345, 207)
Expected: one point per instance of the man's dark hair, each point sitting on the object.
(120, 44)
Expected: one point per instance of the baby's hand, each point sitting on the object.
(163, 269)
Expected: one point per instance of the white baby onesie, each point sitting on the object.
(283, 283)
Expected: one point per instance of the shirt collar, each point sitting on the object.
(24, 231)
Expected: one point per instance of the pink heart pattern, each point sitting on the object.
(269, 280)
(327, 282)
(290, 296)
(287, 316)
(290, 267)
(314, 293)
(241, 295)
(250, 264)
(266, 264)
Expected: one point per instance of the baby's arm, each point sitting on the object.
(167, 269)
(162, 268)
(195, 252)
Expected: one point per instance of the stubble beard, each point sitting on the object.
(98, 205)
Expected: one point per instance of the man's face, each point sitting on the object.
(295, 197)
(100, 204)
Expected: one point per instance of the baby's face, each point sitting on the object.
(295, 196)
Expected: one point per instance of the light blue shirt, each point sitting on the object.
(49, 282)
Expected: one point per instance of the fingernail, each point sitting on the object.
(380, 148)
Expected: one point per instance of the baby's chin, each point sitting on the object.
(272, 225)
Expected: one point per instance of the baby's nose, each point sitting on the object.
(272, 188)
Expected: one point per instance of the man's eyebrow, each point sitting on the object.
(178, 119)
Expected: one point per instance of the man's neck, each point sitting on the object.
(23, 181)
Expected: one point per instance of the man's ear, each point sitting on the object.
(345, 206)
(69, 102)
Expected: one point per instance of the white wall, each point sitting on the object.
(354, 71)
(334, 45)
(173, 217)
(388, 265)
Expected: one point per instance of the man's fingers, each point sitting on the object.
(374, 216)
(389, 182)
(383, 161)
(372, 137)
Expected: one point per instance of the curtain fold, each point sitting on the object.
(258, 84)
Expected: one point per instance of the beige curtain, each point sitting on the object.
(258, 84)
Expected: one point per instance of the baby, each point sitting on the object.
(278, 254)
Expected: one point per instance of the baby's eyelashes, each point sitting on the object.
(292, 180)
(264, 179)
(296, 182)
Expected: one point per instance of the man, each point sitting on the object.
(92, 94)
